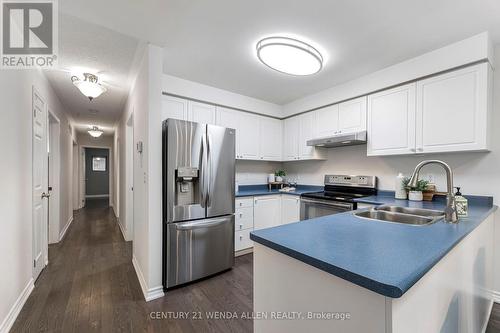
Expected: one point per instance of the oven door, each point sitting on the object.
(311, 208)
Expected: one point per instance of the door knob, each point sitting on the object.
(45, 195)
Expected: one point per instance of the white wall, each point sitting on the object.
(144, 101)
(16, 195)
(185, 88)
(466, 51)
(476, 173)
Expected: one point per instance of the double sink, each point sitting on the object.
(404, 215)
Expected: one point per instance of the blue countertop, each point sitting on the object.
(387, 258)
(254, 190)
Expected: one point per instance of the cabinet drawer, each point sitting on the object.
(244, 202)
(242, 240)
(244, 218)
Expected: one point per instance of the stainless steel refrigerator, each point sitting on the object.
(198, 200)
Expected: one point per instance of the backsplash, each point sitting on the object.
(254, 172)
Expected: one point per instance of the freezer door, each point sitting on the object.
(221, 169)
(197, 249)
(184, 157)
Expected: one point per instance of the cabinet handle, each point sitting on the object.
(413, 150)
(241, 215)
(420, 149)
(241, 237)
(241, 204)
(241, 226)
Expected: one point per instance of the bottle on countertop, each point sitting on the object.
(400, 190)
(461, 203)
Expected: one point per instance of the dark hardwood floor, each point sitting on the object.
(90, 286)
(494, 322)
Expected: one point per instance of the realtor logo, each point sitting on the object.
(29, 33)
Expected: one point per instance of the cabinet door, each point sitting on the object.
(201, 113)
(249, 136)
(290, 208)
(173, 107)
(352, 115)
(327, 121)
(306, 132)
(291, 139)
(267, 211)
(391, 121)
(271, 135)
(231, 119)
(452, 111)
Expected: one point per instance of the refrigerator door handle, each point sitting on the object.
(200, 225)
(203, 178)
(209, 170)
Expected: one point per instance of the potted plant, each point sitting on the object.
(416, 193)
(279, 174)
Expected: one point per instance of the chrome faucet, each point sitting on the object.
(451, 210)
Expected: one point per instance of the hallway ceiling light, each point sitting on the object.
(289, 56)
(95, 132)
(89, 86)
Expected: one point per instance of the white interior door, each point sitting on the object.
(81, 168)
(40, 184)
(129, 173)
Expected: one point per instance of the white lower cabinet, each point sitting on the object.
(290, 208)
(266, 211)
(242, 240)
(260, 212)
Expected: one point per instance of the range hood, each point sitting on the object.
(340, 140)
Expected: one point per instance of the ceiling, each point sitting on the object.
(212, 42)
(85, 47)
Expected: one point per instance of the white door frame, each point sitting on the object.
(54, 130)
(39, 184)
(111, 166)
(129, 177)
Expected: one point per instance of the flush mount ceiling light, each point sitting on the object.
(95, 132)
(289, 56)
(89, 86)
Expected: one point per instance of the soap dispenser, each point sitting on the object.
(461, 203)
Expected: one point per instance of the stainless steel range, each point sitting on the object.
(338, 195)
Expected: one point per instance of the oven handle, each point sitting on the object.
(328, 203)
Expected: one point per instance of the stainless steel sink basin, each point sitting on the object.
(404, 215)
(411, 211)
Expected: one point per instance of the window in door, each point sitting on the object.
(98, 163)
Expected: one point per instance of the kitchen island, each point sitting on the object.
(342, 273)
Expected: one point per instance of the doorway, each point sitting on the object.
(54, 178)
(97, 174)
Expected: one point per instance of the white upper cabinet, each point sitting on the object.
(271, 138)
(306, 132)
(445, 113)
(291, 139)
(297, 131)
(173, 107)
(249, 136)
(201, 113)
(352, 115)
(391, 121)
(343, 118)
(231, 119)
(327, 121)
(453, 111)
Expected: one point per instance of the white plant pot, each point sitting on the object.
(279, 179)
(415, 195)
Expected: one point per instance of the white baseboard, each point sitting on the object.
(485, 326)
(63, 232)
(243, 252)
(149, 293)
(495, 296)
(95, 196)
(16, 308)
(124, 232)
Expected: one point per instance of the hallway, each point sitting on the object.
(90, 285)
